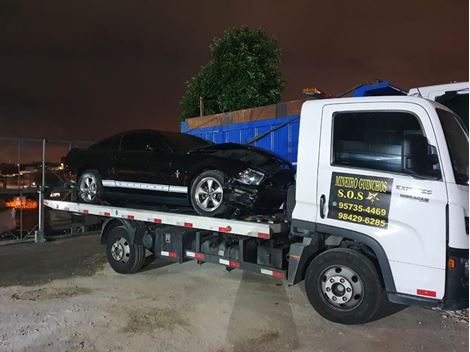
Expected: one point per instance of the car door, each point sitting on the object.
(363, 187)
(142, 162)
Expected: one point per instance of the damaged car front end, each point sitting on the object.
(254, 178)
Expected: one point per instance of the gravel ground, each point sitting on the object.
(62, 296)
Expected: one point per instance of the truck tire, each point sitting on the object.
(123, 256)
(343, 286)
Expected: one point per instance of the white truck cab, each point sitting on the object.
(389, 174)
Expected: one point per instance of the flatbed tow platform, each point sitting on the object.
(247, 244)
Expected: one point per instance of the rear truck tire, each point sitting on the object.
(343, 286)
(90, 187)
(123, 256)
(208, 196)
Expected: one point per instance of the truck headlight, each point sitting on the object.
(250, 177)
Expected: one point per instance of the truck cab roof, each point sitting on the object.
(376, 99)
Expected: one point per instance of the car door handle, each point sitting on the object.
(322, 206)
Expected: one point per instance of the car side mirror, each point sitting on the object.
(417, 156)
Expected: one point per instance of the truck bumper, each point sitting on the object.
(456, 296)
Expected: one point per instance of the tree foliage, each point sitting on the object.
(243, 73)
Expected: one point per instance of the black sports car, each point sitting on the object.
(174, 168)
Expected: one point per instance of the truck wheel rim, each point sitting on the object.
(88, 187)
(209, 194)
(120, 250)
(341, 287)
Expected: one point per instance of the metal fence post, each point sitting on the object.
(40, 233)
(20, 188)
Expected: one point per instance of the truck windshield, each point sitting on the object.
(457, 143)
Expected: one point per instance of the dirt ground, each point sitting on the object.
(63, 296)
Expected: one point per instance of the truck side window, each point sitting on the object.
(372, 140)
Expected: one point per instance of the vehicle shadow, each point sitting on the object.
(387, 308)
(152, 263)
(261, 317)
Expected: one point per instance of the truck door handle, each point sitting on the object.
(322, 206)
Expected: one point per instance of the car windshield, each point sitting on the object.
(181, 142)
(111, 143)
(457, 143)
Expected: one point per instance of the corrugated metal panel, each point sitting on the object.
(282, 142)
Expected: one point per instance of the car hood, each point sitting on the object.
(252, 156)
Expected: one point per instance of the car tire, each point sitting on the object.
(124, 256)
(207, 194)
(344, 287)
(90, 187)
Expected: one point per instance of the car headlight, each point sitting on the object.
(250, 177)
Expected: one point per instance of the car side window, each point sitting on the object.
(140, 142)
(111, 144)
(372, 140)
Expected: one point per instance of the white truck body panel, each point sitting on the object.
(415, 239)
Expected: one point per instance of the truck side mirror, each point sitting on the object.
(416, 156)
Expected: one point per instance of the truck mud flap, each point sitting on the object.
(300, 255)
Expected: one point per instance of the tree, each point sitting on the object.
(243, 73)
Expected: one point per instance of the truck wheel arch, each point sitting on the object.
(110, 224)
(384, 265)
(317, 232)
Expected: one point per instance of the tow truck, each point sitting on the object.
(379, 210)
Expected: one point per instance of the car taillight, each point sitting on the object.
(70, 176)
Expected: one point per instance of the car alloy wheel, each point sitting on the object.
(209, 194)
(88, 187)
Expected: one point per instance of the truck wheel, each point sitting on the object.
(90, 187)
(343, 286)
(123, 256)
(207, 194)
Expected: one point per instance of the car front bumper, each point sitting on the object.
(261, 198)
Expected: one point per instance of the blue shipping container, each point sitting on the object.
(282, 141)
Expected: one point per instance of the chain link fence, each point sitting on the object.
(29, 168)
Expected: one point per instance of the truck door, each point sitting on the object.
(371, 181)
